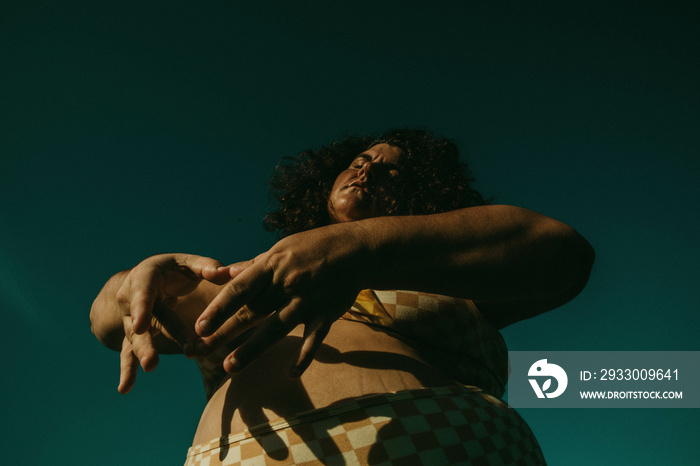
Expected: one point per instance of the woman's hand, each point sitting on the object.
(148, 302)
(309, 278)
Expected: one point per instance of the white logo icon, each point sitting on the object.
(542, 368)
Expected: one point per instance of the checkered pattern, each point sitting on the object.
(434, 426)
(464, 344)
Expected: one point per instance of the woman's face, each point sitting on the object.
(359, 191)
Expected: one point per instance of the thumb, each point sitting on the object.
(218, 273)
(209, 269)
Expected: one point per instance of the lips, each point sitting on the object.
(358, 184)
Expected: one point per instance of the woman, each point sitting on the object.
(401, 376)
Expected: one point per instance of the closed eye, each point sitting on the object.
(362, 159)
(359, 161)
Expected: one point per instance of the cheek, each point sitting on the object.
(337, 185)
(341, 181)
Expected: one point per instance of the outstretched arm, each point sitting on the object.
(514, 262)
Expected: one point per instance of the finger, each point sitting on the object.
(273, 329)
(231, 299)
(239, 323)
(128, 368)
(314, 334)
(141, 346)
(235, 269)
(145, 284)
(167, 320)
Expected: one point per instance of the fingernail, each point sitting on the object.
(205, 325)
(223, 267)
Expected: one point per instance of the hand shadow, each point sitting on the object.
(287, 397)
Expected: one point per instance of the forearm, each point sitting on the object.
(105, 316)
(490, 253)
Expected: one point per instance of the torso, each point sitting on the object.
(354, 360)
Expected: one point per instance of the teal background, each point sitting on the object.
(132, 128)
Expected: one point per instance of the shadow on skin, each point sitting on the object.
(287, 397)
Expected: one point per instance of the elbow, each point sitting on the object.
(582, 258)
(585, 264)
(576, 258)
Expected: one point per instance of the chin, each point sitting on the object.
(349, 212)
(349, 216)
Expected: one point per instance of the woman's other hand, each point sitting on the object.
(308, 278)
(146, 303)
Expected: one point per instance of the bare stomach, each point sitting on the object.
(354, 360)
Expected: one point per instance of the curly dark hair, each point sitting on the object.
(432, 180)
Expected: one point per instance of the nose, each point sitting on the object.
(366, 172)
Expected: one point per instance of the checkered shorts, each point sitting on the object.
(433, 426)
